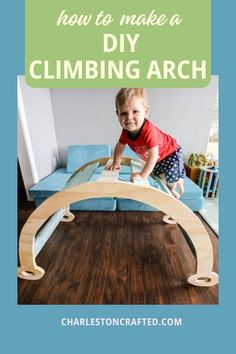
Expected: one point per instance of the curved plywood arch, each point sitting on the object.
(203, 275)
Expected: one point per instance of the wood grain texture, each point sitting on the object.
(116, 258)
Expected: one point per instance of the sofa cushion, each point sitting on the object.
(192, 197)
(51, 184)
(78, 155)
(191, 190)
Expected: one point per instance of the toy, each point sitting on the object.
(108, 185)
(192, 159)
(199, 160)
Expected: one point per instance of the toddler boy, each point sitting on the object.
(160, 151)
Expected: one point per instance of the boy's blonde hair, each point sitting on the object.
(125, 94)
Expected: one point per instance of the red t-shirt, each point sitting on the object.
(148, 137)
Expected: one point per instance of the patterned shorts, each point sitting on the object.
(172, 166)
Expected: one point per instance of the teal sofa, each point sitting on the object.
(78, 155)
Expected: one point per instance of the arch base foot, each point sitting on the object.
(68, 217)
(30, 274)
(168, 220)
(203, 279)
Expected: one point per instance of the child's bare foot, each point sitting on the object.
(172, 187)
(175, 194)
(180, 185)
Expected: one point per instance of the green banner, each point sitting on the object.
(154, 43)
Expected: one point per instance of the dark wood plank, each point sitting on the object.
(116, 258)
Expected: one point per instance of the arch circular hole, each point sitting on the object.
(27, 273)
(203, 280)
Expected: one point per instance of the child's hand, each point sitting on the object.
(114, 167)
(136, 176)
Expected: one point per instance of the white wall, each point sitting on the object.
(87, 116)
(36, 133)
(84, 116)
(186, 114)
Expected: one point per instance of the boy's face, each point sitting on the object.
(132, 114)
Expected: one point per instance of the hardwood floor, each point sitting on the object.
(116, 258)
